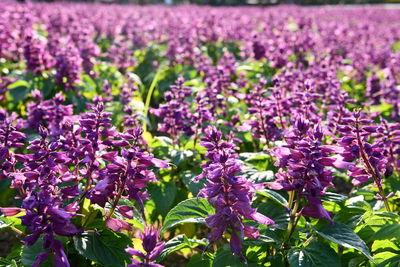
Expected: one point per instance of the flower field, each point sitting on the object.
(199, 136)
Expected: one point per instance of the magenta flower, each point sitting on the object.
(152, 247)
(230, 193)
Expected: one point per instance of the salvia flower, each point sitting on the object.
(36, 56)
(374, 164)
(152, 248)
(303, 161)
(176, 111)
(230, 193)
(48, 113)
(125, 176)
(389, 139)
(263, 124)
(69, 66)
(38, 182)
(10, 138)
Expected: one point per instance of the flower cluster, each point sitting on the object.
(151, 246)
(230, 193)
(263, 125)
(303, 161)
(176, 112)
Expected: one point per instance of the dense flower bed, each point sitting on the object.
(199, 136)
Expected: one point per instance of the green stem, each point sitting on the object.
(291, 198)
(370, 169)
(293, 221)
(17, 231)
(150, 94)
(308, 241)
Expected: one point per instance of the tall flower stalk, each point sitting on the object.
(230, 193)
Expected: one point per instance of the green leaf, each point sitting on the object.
(329, 196)
(29, 254)
(257, 176)
(276, 212)
(163, 195)
(387, 259)
(194, 186)
(350, 216)
(386, 232)
(19, 90)
(258, 160)
(266, 236)
(274, 196)
(193, 210)
(179, 242)
(315, 255)
(396, 46)
(105, 247)
(226, 258)
(4, 224)
(343, 235)
(179, 156)
(8, 263)
(198, 261)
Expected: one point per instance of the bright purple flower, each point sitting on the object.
(69, 66)
(229, 193)
(10, 138)
(355, 132)
(152, 247)
(125, 176)
(264, 123)
(36, 56)
(48, 113)
(303, 161)
(175, 113)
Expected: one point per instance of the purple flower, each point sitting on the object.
(69, 66)
(48, 113)
(230, 193)
(303, 161)
(152, 248)
(10, 138)
(175, 113)
(125, 176)
(36, 56)
(264, 124)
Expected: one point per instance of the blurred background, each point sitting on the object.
(388, 3)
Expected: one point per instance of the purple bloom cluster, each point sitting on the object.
(68, 65)
(10, 137)
(49, 113)
(303, 161)
(39, 185)
(230, 193)
(176, 112)
(356, 131)
(151, 246)
(264, 124)
(37, 57)
(86, 148)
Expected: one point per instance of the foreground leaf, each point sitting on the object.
(315, 255)
(105, 247)
(343, 235)
(193, 210)
(179, 242)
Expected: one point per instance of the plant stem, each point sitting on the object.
(149, 95)
(370, 169)
(17, 231)
(117, 198)
(308, 241)
(291, 198)
(293, 221)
